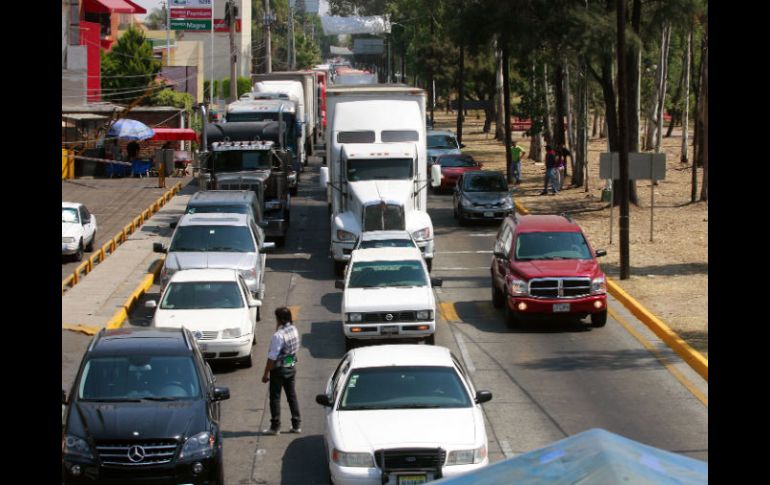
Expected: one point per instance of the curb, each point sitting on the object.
(121, 315)
(110, 246)
(694, 359)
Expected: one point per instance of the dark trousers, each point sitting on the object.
(283, 378)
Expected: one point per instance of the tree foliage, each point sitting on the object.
(129, 68)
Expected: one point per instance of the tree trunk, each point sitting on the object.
(507, 111)
(489, 114)
(558, 122)
(605, 129)
(535, 147)
(571, 138)
(596, 124)
(703, 119)
(663, 84)
(461, 95)
(581, 146)
(686, 108)
(499, 109)
(547, 116)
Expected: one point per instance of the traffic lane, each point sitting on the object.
(115, 203)
(552, 380)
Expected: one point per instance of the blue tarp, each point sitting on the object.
(593, 457)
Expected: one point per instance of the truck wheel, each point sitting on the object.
(90, 246)
(598, 320)
(429, 263)
(339, 268)
(461, 218)
(430, 339)
(498, 299)
(79, 254)
(511, 319)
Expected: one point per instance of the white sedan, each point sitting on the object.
(216, 306)
(78, 230)
(402, 415)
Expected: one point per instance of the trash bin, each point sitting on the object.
(607, 194)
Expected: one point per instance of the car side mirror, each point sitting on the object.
(483, 396)
(323, 400)
(601, 252)
(254, 303)
(436, 282)
(172, 225)
(339, 284)
(158, 248)
(500, 255)
(263, 223)
(87, 220)
(221, 393)
(267, 246)
(63, 396)
(151, 304)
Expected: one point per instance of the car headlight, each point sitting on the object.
(352, 459)
(466, 202)
(422, 234)
(345, 235)
(354, 317)
(75, 446)
(467, 457)
(248, 274)
(508, 203)
(517, 287)
(199, 446)
(231, 333)
(68, 240)
(425, 315)
(598, 286)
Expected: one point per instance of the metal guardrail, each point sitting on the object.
(110, 246)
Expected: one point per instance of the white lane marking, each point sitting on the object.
(506, 447)
(466, 252)
(464, 351)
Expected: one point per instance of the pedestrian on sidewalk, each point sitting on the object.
(551, 172)
(517, 153)
(280, 371)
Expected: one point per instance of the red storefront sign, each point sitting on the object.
(190, 13)
(220, 26)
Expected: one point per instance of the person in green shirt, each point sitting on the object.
(517, 153)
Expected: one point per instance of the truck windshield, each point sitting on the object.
(230, 239)
(382, 169)
(378, 274)
(551, 245)
(240, 160)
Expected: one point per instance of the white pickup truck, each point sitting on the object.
(388, 294)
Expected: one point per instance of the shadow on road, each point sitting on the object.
(569, 361)
(304, 462)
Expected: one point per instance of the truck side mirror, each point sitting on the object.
(483, 396)
(151, 304)
(436, 282)
(323, 400)
(158, 248)
(601, 252)
(323, 179)
(267, 246)
(172, 225)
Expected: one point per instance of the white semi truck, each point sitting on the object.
(376, 164)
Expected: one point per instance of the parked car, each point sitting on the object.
(482, 195)
(78, 230)
(442, 142)
(144, 407)
(217, 306)
(388, 293)
(452, 166)
(218, 241)
(402, 414)
(227, 201)
(543, 266)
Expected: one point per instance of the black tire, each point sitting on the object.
(90, 246)
(511, 319)
(339, 268)
(247, 361)
(429, 263)
(78, 256)
(430, 339)
(350, 344)
(498, 298)
(454, 211)
(259, 318)
(599, 320)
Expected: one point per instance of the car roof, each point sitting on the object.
(214, 219)
(380, 235)
(401, 354)
(210, 197)
(545, 223)
(70, 205)
(140, 341)
(385, 254)
(204, 274)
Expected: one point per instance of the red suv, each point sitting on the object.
(544, 266)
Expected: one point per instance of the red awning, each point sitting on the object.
(174, 134)
(112, 6)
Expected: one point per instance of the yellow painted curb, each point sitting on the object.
(121, 315)
(695, 359)
(86, 329)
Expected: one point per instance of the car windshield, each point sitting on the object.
(128, 378)
(202, 295)
(442, 141)
(551, 245)
(456, 162)
(239, 160)
(387, 243)
(404, 387)
(382, 169)
(69, 215)
(230, 239)
(377, 274)
(485, 183)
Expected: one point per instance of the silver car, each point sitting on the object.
(218, 240)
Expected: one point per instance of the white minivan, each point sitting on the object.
(388, 294)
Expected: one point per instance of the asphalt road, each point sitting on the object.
(549, 381)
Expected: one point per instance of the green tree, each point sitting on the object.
(155, 20)
(129, 68)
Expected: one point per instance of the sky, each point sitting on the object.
(149, 5)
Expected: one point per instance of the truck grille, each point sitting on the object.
(384, 217)
(395, 317)
(238, 186)
(559, 287)
(410, 459)
(140, 453)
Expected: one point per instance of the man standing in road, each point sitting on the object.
(516, 155)
(280, 370)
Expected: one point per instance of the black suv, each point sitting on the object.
(144, 409)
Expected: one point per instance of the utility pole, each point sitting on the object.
(623, 149)
(290, 40)
(231, 14)
(168, 33)
(266, 22)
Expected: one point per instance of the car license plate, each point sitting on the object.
(389, 330)
(412, 479)
(560, 307)
(489, 214)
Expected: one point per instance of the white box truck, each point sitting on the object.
(376, 165)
